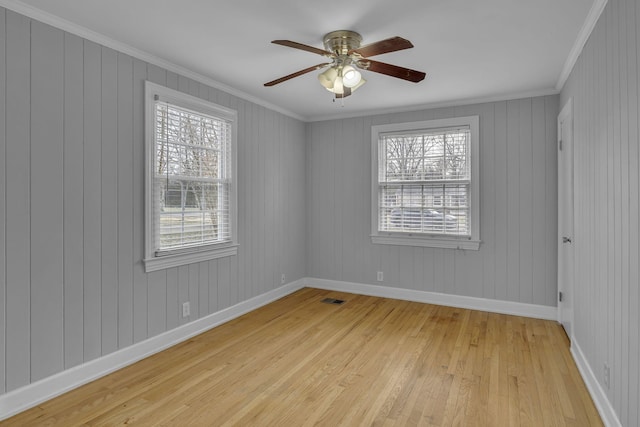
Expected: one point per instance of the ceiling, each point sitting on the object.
(471, 50)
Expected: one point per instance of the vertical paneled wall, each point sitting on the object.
(604, 88)
(72, 283)
(518, 207)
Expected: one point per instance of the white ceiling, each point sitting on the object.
(470, 49)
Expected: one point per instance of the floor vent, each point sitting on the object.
(333, 301)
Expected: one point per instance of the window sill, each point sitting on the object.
(430, 242)
(175, 260)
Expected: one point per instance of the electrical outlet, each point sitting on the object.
(283, 279)
(380, 276)
(607, 378)
(186, 309)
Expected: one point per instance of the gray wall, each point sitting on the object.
(518, 207)
(604, 87)
(72, 284)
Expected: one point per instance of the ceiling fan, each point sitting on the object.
(343, 48)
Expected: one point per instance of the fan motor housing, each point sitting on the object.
(342, 41)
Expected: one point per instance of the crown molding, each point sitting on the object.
(78, 30)
(592, 18)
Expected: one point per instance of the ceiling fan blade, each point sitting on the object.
(391, 70)
(383, 46)
(296, 74)
(305, 47)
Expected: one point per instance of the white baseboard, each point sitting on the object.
(484, 304)
(33, 394)
(607, 413)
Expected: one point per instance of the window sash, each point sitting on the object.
(427, 155)
(196, 215)
(434, 209)
(191, 202)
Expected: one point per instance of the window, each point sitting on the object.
(190, 186)
(425, 183)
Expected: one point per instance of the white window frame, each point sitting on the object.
(471, 242)
(152, 260)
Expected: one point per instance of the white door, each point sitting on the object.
(565, 218)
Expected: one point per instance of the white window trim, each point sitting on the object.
(420, 239)
(153, 262)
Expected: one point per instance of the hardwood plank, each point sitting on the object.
(370, 361)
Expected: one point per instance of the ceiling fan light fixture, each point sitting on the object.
(360, 83)
(340, 80)
(350, 76)
(338, 86)
(328, 77)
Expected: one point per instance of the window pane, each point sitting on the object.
(437, 155)
(424, 208)
(456, 156)
(192, 214)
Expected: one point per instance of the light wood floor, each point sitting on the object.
(370, 361)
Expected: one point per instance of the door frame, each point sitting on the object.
(566, 220)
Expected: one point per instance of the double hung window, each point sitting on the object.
(425, 186)
(190, 184)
